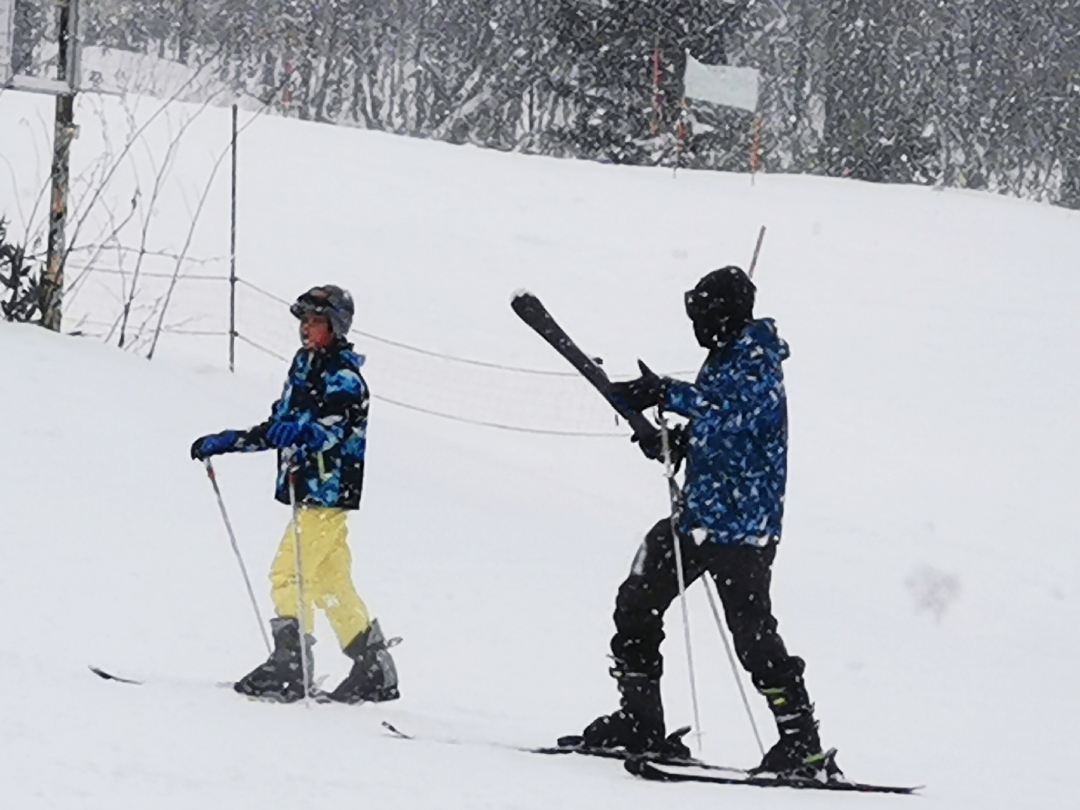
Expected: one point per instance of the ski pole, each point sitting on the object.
(673, 495)
(731, 660)
(236, 550)
(757, 250)
(305, 662)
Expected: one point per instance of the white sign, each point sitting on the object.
(28, 78)
(721, 84)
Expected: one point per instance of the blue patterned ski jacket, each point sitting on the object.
(736, 458)
(325, 394)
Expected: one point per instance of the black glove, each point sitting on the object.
(640, 394)
(653, 446)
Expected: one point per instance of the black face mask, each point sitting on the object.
(700, 303)
(713, 332)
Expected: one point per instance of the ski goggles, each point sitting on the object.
(313, 302)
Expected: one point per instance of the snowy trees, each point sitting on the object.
(969, 93)
(563, 76)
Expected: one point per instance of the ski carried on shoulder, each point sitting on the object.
(673, 772)
(529, 308)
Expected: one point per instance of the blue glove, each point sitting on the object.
(285, 433)
(214, 444)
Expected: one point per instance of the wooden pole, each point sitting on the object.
(232, 255)
(657, 98)
(755, 147)
(681, 134)
(52, 291)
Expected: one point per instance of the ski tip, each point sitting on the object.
(395, 731)
(526, 305)
(108, 676)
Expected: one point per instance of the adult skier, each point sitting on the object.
(319, 428)
(728, 520)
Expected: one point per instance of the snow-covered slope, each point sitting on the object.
(929, 567)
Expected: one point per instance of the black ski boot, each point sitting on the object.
(798, 753)
(281, 678)
(373, 677)
(638, 726)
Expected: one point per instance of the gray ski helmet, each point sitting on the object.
(329, 300)
(720, 305)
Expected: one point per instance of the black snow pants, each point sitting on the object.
(742, 574)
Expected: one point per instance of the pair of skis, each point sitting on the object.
(656, 768)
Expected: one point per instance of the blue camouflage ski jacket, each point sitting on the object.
(327, 396)
(736, 458)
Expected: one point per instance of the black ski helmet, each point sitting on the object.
(329, 300)
(720, 305)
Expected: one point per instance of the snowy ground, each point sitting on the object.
(929, 570)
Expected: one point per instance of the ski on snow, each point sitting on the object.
(106, 675)
(317, 694)
(556, 750)
(665, 772)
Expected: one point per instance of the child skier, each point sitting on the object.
(735, 448)
(319, 428)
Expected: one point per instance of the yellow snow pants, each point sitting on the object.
(325, 563)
